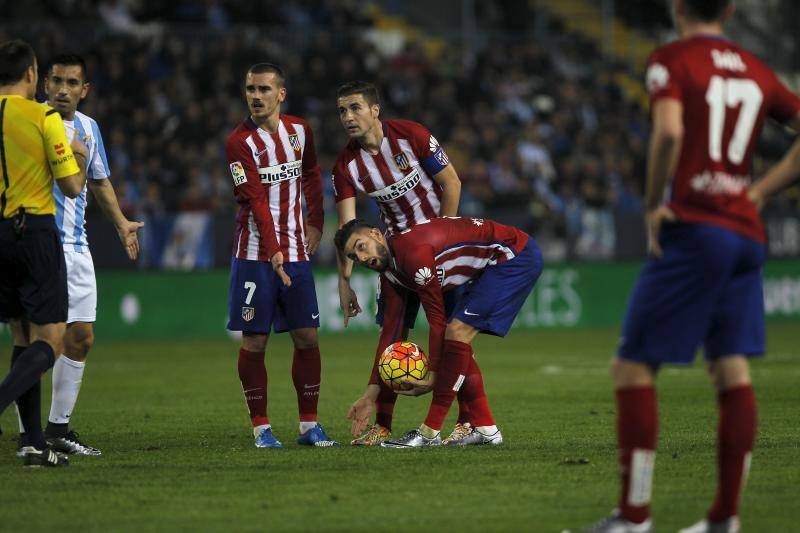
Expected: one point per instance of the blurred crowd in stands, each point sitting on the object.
(539, 132)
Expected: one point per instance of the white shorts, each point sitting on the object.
(82, 287)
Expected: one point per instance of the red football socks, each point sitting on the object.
(452, 373)
(736, 434)
(385, 406)
(253, 375)
(473, 396)
(464, 415)
(637, 431)
(306, 378)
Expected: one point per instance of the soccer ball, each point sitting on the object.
(401, 360)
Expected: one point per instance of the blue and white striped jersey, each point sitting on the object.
(71, 213)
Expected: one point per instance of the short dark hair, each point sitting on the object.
(261, 68)
(16, 57)
(344, 233)
(367, 90)
(70, 60)
(706, 10)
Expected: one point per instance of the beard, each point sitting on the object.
(383, 259)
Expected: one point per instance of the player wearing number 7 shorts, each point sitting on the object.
(272, 163)
(702, 284)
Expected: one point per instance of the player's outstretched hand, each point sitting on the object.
(130, 240)
(419, 386)
(655, 218)
(348, 301)
(277, 266)
(313, 236)
(361, 413)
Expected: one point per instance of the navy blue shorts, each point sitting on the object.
(492, 301)
(705, 290)
(259, 301)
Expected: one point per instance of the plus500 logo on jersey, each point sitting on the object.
(397, 189)
(284, 171)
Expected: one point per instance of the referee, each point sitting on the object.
(34, 151)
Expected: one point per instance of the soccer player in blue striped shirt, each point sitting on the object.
(66, 85)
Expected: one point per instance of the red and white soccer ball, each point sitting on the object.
(401, 360)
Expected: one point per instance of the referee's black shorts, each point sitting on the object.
(33, 275)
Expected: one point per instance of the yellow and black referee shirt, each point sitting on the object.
(34, 151)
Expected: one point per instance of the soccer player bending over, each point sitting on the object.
(272, 163)
(66, 85)
(400, 165)
(496, 265)
(702, 284)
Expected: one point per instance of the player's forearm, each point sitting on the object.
(663, 156)
(265, 225)
(780, 175)
(451, 191)
(103, 192)
(450, 197)
(71, 186)
(372, 392)
(344, 266)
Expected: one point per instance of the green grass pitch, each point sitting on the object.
(179, 454)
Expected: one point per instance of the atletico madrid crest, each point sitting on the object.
(295, 142)
(401, 160)
(248, 313)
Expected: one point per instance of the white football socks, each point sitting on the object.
(305, 426)
(67, 378)
(428, 432)
(258, 429)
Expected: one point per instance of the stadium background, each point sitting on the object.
(539, 104)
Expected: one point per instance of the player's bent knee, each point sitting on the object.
(459, 331)
(631, 373)
(305, 338)
(729, 372)
(78, 340)
(80, 345)
(254, 342)
(20, 332)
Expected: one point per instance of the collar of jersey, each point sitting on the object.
(714, 36)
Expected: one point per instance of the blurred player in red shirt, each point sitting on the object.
(702, 285)
(272, 163)
(496, 267)
(404, 169)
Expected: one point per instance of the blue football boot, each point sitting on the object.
(266, 439)
(316, 436)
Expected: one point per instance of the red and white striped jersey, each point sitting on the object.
(437, 256)
(270, 171)
(399, 178)
(726, 93)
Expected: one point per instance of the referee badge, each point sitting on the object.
(248, 313)
(295, 142)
